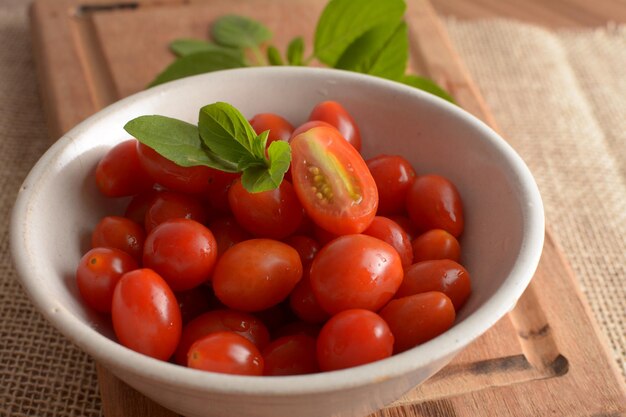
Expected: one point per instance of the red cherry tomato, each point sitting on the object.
(303, 302)
(352, 338)
(335, 114)
(172, 176)
(227, 233)
(279, 127)
(290, 355)
(389, 231)
(274, 214)
(418, 318)
(307, 247)
(145, 314)
(256, 274)
(298, 327)
(310, 125)
(436, 244)
(98, 272)
(332, 182)
(119, 172)
(243, 324)
(193, 302)
(276, 317)
(393, 175)
(406, 225)
(355, 271)
(226, 353)
(441, 275)
(120, 233)
(139, 205)
(323, 236)
(433, 202)
(217, 196)
(168, 205)
(182, 251)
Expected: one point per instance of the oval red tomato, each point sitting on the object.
(279, 127)
(119, 173)
(336, 115)
(333, 182)
(393, 175)
(291, 355)
(168, 205)
(120, 233)
(226, 353)
(436, 244)
(389, 231)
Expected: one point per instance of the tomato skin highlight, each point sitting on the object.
(442, 275)
(182, 251)
(355, 271)
(98, 271)
(256, 274)
(394, 176)
(436, 244)
(279, 127)
(390, 232)
(333, 182)
(351, 338)
(336, 115)
(291, 355)
(418, 318)
(119, 173)
(145, 314)
(120, 233)
(244, 324)
(433, 202)
(273, 214)
(226, 353)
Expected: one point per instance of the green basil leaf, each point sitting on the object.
(273, 56)
(183, 47)
(260, 143)
(239, 32)
(258, 179)
(295, 51)
(344, 21)
(175, 140)
(382, 51)
(426, 85)
(226, 132)
(198, 63)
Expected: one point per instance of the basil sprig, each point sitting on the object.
(223, 140)
(366, 36)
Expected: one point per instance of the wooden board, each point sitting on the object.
(547, 357)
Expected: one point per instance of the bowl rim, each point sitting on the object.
(449, 343)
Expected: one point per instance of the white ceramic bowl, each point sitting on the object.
(58, 206)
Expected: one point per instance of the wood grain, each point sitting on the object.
(546, 357)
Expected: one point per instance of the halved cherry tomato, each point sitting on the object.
(436, 244)
(418, 318)
(119, 173)
(434, 202)
(333, 182)
(120, 233)
(355, 271)
(238, 322)
(274, 214)
(98, 272)
(168, 205)
(441, 275)
(389, 231)
(226, 353)
(279, 127)
(352, 338)
(393, 175)
(335, 114)
(256, 274)
(182, 251)
(310, 125)
(145, 314)
(290, 355)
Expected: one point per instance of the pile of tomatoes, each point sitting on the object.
(347, 262)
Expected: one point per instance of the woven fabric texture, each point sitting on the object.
(559, 97)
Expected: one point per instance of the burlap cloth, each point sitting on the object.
(559, 97)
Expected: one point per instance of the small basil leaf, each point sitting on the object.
(344, 21)
(226, 132)
(426, 85)
(260, 143)
(183, 47)
(198, 63)
(175, 140)
(273, 56)
(295, 51)
(239, 32)
(258, 179)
